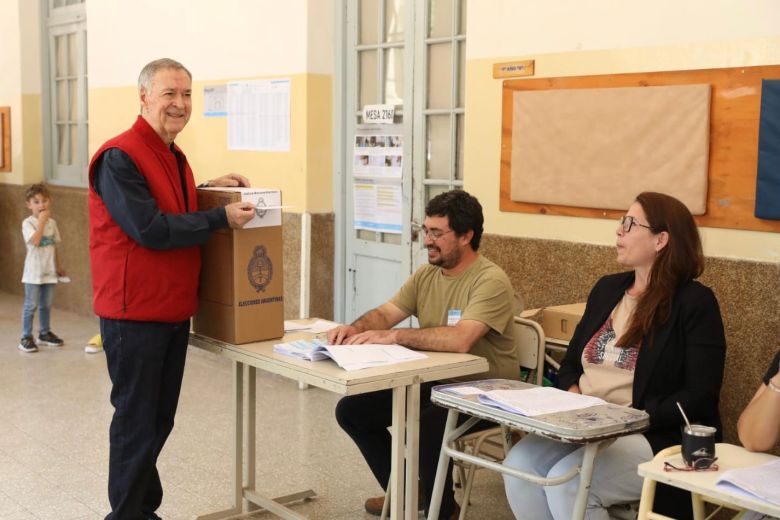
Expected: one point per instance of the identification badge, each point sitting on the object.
(453, 317)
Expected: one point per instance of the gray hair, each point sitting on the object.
(151, 68)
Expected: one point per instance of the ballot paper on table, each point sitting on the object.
(349, 357)
(538, 401)
(318, 327)
(756, 481)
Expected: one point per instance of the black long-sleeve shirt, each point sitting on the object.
(127, 197)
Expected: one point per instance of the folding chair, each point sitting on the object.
(530, 342)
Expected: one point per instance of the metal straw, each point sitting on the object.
(687, 422)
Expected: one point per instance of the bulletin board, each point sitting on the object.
(5, 139)
(733, 140)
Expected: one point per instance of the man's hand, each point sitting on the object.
(230, 180)
(381, 337)
(239, 213)
(339, 334)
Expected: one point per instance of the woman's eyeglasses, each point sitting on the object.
(704, 464)
(628, 221)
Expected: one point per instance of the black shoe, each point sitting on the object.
(50, 339)
(27, 344)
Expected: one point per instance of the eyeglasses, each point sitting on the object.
(704, 464)
(628, 221)
(434, 234)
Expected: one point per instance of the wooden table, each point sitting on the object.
(589, 426)
(701, 484)
(404, 379)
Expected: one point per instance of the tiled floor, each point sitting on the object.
(55, 412)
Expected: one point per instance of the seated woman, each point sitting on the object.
(649, 337)
(759, 424)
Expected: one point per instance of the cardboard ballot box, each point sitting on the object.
(242, 277)
(560, 321)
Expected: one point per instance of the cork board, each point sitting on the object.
(733, 140)
(600, 146)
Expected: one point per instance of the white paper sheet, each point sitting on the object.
(349, 357)
(377, 207)
(538, 401)
(318, 327)
(759, 481)
(259, 115)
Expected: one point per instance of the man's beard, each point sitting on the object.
(445, 262)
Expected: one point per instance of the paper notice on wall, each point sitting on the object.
(378, 151)
(377, 207)
(215, 101)
(259, 115)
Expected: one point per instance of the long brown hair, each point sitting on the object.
(678, 262)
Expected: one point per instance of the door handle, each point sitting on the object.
(416, 228)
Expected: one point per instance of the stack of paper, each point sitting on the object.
(349, 357)
(355, 357)
(313, 350)
(757, 481)
(538, 401)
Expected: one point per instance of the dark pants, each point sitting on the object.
(146, 364)
(365, 418)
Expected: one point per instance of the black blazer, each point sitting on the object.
(680, 360)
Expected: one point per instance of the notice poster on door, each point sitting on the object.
(377, 206)
(378, 151)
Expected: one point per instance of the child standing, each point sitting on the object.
(41, 268)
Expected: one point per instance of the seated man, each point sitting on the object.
(464, 303)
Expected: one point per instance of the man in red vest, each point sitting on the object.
(145, 231)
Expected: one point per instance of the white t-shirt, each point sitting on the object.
(39, 265)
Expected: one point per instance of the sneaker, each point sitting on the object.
(94, 345)
(27, 345)
(50, 339)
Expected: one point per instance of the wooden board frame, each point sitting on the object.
(733, 156)
(5, 132)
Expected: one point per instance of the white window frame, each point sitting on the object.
(58, 21)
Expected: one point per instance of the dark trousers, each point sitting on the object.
(365, 418)
(146, 364)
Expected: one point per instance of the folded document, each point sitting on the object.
(758, 481)
(538, 401)
(349, 357)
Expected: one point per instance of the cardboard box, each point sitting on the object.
(560, 321)
(242, 276)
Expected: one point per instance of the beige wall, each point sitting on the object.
(567, 38)
(231, 40)
(20, 88)
(242, 40)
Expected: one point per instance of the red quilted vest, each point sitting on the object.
(129, 281)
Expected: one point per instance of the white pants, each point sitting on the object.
(615, 479)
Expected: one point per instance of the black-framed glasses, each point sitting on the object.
(628, 221)
(434, 234)
(703, 464)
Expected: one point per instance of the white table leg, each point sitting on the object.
(441, 469)
(586, 473)
(412, 449)
(398, 432)
(251, 435)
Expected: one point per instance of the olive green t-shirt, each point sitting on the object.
(482, 293)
